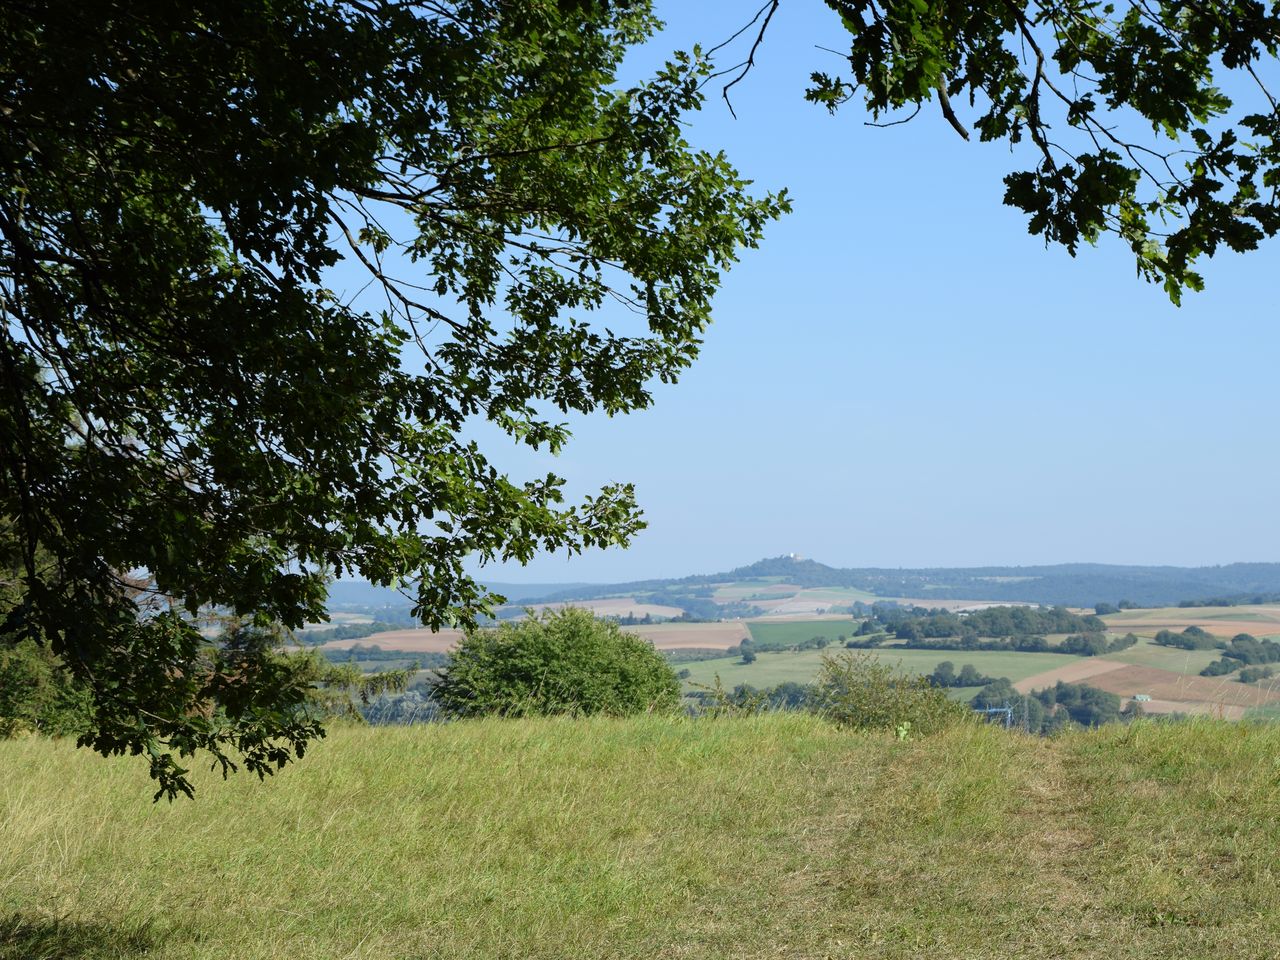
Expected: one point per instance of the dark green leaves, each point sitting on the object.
(1126, 106)
(191, 419)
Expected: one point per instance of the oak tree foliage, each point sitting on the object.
(1153, 120)
(195, 416)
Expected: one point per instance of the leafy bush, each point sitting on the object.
(37, 693)
(857, 690)
(564, 661)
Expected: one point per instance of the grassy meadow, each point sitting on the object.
(772, 836)
(1144, 653)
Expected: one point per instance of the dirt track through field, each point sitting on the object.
(1074, 672)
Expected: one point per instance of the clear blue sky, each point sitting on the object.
(902, 376)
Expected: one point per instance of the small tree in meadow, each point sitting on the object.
(564, 661)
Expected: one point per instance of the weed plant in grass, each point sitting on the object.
(766, 836)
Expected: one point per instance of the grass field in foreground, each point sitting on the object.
(774, 668)
(774, 836)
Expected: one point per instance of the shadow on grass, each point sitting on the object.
(32, 937)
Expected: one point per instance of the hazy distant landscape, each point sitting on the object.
(793, 613)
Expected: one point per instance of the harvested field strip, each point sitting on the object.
(678, 636)
(1166, 685)
(413, 641)
(1077, 671)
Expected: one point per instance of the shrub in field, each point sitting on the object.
(565, 661)
(858, 690)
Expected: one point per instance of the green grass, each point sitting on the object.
(773, 836)
(773, 668)
(1144, 653)
(785, 633)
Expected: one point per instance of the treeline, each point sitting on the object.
(1050, 710)
(1192, 638)
(816, 642)
(919, 623)
(1244, 651)
(1044, 712)
(367, 653)
(946, 675)
(350, 631)
(1238, 600)
(1078, 645)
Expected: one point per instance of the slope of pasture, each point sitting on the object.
(817, 599)
(773, 668)
(748, 589)
(1144, 653)
(657, 839)
(1260, 621)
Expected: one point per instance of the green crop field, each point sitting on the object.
(773, 668)
(784, 633)
(667, 838)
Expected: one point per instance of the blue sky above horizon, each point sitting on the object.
(902, 376)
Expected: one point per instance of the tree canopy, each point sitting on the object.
(195, 419)
(1153, 120)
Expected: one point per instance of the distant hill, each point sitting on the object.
(1072, 584)
(351, 594)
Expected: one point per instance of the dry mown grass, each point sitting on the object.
(775, 836)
